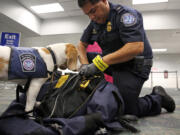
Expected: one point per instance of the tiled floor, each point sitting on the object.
(7, 94)
(164, 124)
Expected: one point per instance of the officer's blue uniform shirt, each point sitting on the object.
(124, 25)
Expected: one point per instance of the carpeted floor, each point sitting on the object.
(164, 124)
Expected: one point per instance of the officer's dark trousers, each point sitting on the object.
(130, 85)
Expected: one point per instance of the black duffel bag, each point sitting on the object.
(69, 94)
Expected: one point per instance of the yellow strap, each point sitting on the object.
(61, 81)
(84, 84)
(100, 64)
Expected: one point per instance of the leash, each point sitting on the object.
(55, 63)
(54, 59)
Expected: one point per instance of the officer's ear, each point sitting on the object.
(105, 1)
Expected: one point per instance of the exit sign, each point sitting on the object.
(10, 39)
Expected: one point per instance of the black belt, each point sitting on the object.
(148, 62)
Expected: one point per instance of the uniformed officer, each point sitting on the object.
(126, 55)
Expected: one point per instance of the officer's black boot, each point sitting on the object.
(167, 101)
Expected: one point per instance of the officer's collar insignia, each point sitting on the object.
(94, 31)
(118, 8)
(128, 19)
(109, 26)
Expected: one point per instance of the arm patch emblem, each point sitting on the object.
(128, 19)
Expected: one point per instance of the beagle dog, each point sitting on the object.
(26, 62)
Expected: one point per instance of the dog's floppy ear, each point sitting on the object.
(72, 57)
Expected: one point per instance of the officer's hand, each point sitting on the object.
(88, 70)
(97, 66)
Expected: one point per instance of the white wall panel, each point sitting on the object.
(160, 20)
(170, 62)
(21, 15)
(64, 25)
(51, 39)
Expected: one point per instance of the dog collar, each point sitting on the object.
(54, 58)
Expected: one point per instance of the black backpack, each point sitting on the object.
(65, 97)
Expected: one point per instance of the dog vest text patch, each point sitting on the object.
(26, 63)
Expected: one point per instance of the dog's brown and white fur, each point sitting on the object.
(66, 54)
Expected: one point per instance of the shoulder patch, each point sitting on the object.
(128, 19)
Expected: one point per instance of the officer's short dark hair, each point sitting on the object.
(81, 3)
